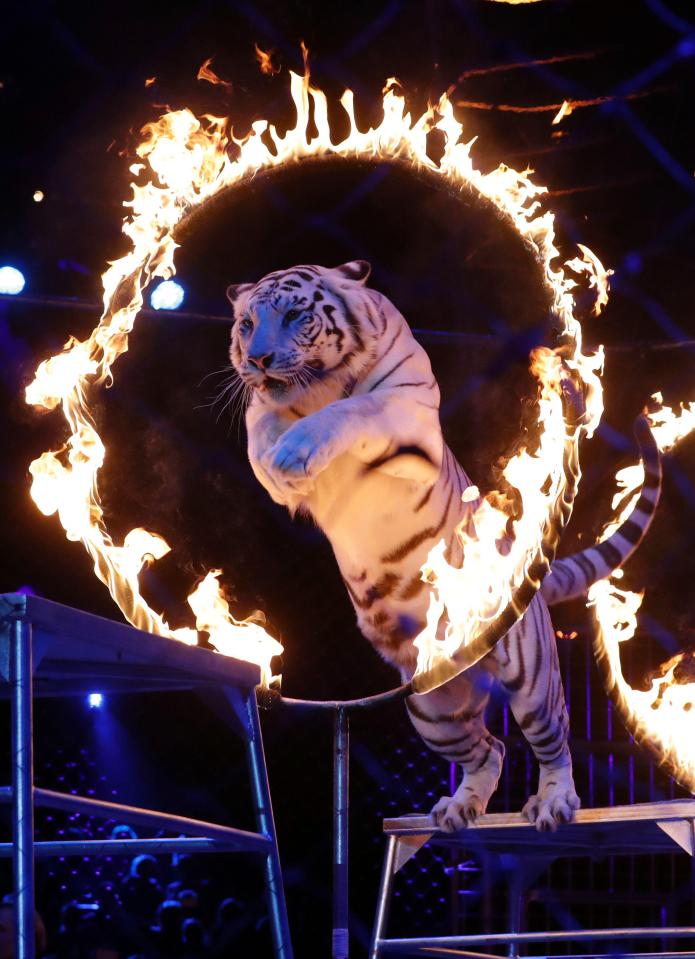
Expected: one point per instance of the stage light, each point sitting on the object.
(95, 700)
(11, 280)
(38, 196)
(632, 263)
(167, 296)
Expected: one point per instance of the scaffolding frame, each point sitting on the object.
(53, 650)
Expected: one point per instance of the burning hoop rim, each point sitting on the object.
(511, 196)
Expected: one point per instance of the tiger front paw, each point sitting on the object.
(298, 456)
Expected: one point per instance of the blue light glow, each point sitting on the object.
(167, 296)
(12, 280)
(95, 700)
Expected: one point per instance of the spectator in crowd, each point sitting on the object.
(120, 907)
(7, 931)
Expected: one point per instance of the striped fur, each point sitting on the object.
(572, 577)
(343, 425)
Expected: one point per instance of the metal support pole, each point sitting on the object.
(22, 786)
(341, 808)
(265, 824)
(384, 899)
(515, 891)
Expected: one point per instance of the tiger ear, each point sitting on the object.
(235, 290)
(357, 270)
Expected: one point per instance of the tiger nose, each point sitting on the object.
(262, 362)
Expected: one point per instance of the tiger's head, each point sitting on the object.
(299, 331)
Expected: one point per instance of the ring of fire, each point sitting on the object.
(183, 162)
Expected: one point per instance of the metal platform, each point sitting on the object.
(645, 829)
(47, 649)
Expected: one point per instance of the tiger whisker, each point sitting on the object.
(232, 384)
(230, 395)
(241, 401)
(220, 372)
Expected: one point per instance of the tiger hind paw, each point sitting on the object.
(551, 806)
(452, 813)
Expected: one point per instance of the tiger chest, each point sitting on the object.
(381, 529)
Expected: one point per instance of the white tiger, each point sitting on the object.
(343, 424)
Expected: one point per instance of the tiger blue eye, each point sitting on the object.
(245, 326)
(290, 316)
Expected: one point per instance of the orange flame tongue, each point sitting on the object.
(244, 640)
(207, 73)
(265, 62)
(182, 162)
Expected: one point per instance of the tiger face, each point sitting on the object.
(295, 330)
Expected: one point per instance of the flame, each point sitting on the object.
(598, 275)
(466, 598)
(207, 73)
(670, 428)
(183, 161)
(661, 716)
(265, 61)
(243, 640)
(565, 110)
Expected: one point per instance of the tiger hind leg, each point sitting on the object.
(530, 673)
(450, 721)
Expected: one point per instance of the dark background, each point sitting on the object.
(620, 177)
